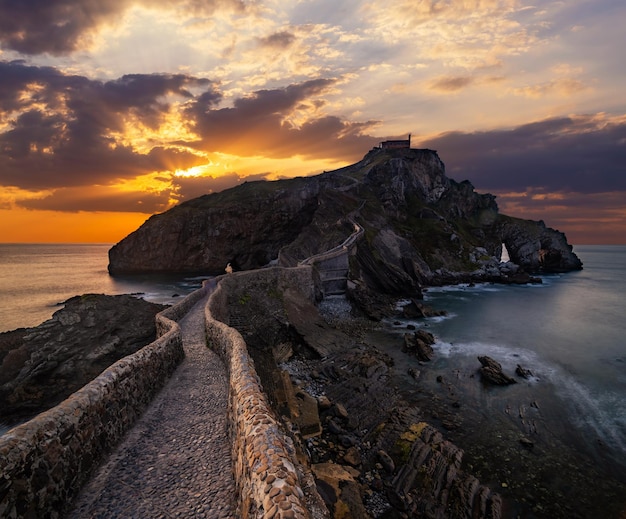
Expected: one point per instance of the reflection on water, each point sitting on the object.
(36, 278)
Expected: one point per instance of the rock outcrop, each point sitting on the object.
(419, 344)
(41, 366)
(420, 227)
(536, 247)
(491, 372)
(370, 451)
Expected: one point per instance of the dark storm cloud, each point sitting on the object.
(59, 27)
(52, 26)
(60, 127)
(255, 125)
(581, 154)
(65, 132)
(81, 199)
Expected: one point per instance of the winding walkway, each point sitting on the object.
(176, 460)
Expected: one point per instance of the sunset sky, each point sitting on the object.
(113, 110)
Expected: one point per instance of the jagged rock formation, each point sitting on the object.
(371, 453)
(41, 366)
(491, 372)
(420, 227)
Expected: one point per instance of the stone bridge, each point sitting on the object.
(174, 430)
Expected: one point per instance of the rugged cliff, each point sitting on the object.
(420, 228)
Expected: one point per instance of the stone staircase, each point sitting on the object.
(332, 266)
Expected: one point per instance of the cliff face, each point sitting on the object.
(420, 228)
(245, 226)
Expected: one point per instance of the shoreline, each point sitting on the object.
(545, 477)
(550, 476)
(548, 480)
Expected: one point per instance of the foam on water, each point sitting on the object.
(604, 413)
(601, 411)
(463, 287)
(508, 357)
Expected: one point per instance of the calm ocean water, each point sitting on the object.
(35, 278)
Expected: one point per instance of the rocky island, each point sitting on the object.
(419, 228)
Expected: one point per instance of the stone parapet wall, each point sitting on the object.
(179, 310)
(45, 461)
(266, 475)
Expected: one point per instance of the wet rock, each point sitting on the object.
(419, 344)
(352, 457)
(340, 411)
(340, 490)
(491, 372)
(416, 310)
(414, 373)
(323, 403)
(529, 444)
(42, 366)
(523, 372)
(386, 461)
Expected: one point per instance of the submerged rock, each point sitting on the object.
(523, 372)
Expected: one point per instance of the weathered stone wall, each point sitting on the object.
(45, 461)
(266, 474)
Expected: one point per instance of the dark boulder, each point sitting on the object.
(417, 310)
(419, 344)
(523, 372)
(491, 372)
(42, 366)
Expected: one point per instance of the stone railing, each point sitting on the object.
(45, 461)
(332, 266)
(267, 480)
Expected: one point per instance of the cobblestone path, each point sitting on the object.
(176, 460)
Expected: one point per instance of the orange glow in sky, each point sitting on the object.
(123, 108)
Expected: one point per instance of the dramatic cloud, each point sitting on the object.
(60, 133)
(130, 106)
(579, 154)
(60, 27)
(99, 199)
(259, 124)
(55, 27)
(59, 130)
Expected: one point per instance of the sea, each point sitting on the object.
(35, 279)
(569, 331)
(553, 444)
